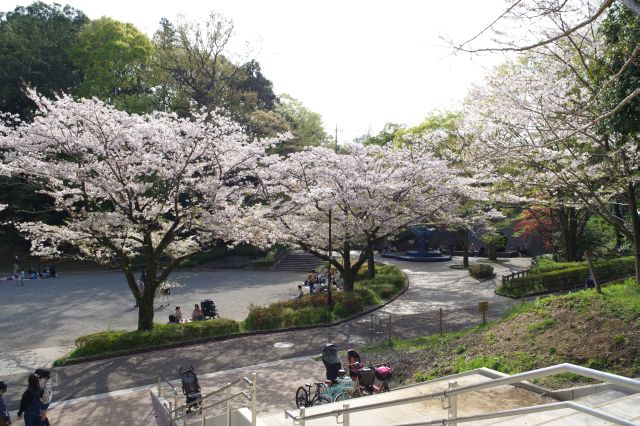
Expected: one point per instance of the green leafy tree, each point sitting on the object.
(196, 68)
(34, 45)
(306, 125)
(264, 124)
(389, 133)
(115, 58)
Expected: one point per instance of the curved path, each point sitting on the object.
(415, 313)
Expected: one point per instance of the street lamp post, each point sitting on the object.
(329, 300)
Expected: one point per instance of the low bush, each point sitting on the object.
(572, 277)
(481, 270)
(313, 309)
(118, 340)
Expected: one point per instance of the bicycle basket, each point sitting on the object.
(366, 376)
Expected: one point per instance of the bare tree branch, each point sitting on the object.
(544, 42)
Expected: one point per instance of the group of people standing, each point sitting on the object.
(34, 403)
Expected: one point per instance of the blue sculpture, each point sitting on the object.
(422, 253)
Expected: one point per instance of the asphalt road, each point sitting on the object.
(41, 320)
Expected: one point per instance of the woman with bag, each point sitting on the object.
(30, 403)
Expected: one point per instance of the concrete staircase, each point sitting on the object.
(297, 260)
(608, 398)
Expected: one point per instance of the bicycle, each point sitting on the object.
(367, 377)
(323, 394)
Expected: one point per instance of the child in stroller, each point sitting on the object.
(191, 388)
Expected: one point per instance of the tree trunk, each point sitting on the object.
(568, 221)
(371, 262)
(465, 257)
(145, 311)
(635, 225)
(491, 249)
(348, 277)
(592, 269)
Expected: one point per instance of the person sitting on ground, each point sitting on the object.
(300, 292)
(33, 275)
(197, 314)
(178, 314)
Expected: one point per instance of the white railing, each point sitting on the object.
(161, 381)
(451, 397)
(179, 413)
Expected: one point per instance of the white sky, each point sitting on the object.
(359, 64)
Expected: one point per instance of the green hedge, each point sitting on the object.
(312, 309)
(481, 270)
(118, 340)
(572, 277)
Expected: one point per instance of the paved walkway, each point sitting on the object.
(431, 286)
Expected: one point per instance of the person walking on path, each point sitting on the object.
(165, 292)
(46, 384)
(141, 282)
(21, 278)
(5, 418)
(30, 403)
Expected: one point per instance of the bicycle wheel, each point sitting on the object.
(321, 399)
(341, 397)
(385, 387)
(359, 391)
(302, 397)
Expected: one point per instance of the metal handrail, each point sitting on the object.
(215, 392)
(218, 403)
(527, 410)
(164, 379)
(516, 378)
(227, 399)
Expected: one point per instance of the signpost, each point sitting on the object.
(483, 307)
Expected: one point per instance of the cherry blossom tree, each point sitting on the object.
(136, 189)
(370, 192)
(540, 127)
(548, 26)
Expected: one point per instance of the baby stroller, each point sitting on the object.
(208, 309)
(331, 361)
(191, 388)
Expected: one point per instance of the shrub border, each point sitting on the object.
(145, 349)
(562, 290)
